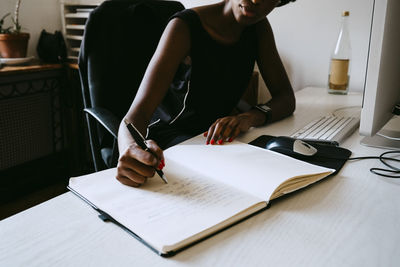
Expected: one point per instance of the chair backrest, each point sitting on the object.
(119, 40)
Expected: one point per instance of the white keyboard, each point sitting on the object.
(328, 128)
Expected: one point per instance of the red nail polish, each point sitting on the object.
(205, 134)
(163, 162)
(230, 139)
(212, 141)
(220, 141)
(160, 166)
(207, 143)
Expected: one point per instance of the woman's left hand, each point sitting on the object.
(227, 128)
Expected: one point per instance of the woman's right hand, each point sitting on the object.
(136, 165)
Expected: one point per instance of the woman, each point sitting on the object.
(220, 43)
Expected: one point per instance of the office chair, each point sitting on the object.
(119, 40)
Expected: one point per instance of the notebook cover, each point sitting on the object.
(105, 217)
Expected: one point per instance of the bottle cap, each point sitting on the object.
(346, 13)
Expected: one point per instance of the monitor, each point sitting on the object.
(382, 80)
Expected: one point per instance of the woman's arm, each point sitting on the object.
(134, 164)
(273, 72)
(283, 102)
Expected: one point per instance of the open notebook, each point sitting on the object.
(210, 188)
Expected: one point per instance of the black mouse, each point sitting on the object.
(290, 146)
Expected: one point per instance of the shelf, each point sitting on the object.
(81, 3)
(36, 66)
(75, 37)
(74, 16)
(78, 15)
(74, 58)
(88, 10)
(75, 27)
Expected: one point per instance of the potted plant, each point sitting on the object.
(13, 42)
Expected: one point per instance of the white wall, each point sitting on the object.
(305, 33)
(34, 16)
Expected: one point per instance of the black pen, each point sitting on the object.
(141, 141)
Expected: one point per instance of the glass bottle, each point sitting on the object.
(339, 77)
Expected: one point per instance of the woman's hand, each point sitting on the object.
(228, 128)
(136, 165)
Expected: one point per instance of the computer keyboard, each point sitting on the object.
(328, 128)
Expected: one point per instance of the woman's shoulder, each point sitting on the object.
(188, 15)
(201, 15)
(263, 27)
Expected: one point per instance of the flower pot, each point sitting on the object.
(13, 45)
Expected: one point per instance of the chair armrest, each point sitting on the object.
(108, 120)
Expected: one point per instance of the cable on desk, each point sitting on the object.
(388, 137)
(380, 171)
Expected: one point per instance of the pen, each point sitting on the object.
(141, 141)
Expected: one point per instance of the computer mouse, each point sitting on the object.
(290, 146)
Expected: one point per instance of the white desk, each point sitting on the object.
(351, 219)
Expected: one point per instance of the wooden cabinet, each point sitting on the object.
(32, 136)
(42, 131)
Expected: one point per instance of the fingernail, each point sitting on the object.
(205, 134)
(230, 139)
(212, 141)
(207, 143)
(160, 166)
(220, 141)
(163, 162)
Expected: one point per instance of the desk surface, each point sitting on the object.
(351, 219)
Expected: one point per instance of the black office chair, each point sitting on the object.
(119, 40)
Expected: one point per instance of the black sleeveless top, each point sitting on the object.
(206, 90)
